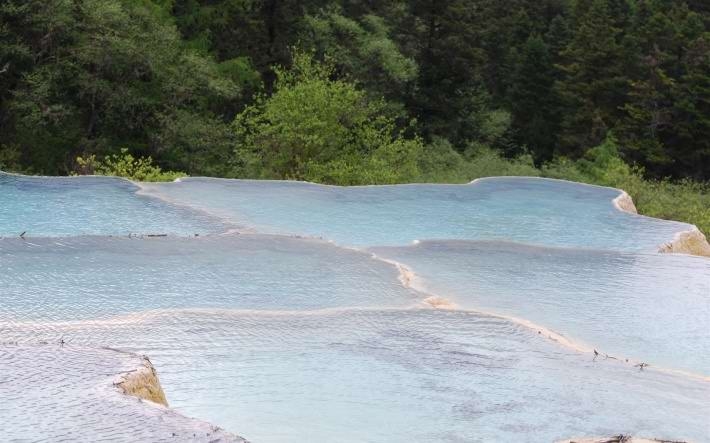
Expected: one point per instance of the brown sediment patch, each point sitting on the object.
(406, 276)
(440, 302)
(691, 242)
(143, 383)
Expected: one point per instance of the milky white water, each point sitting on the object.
(653, 308)
(281, 338)
(67, 395)
(91, 277)
(527, 210)
(392, 375)
(69, 206)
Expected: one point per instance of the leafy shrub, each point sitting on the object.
(10, 158)
(482, 161)
(319, 129)
(125, 165)
(441, 163)
(685, 201)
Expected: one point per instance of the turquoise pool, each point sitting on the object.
(394, 313)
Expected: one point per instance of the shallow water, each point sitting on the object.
(652, 308)
(90, 278)
(528, 210)
(66, 395)
(69, 206)
(396, 376)
(279, 337)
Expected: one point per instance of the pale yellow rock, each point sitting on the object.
(143, 383)
(625, 203)
(82, 401)
(688, 242)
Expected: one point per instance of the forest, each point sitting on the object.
(612, 92)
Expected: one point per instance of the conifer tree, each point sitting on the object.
(532, 100)
(594, 83)
(663, 123)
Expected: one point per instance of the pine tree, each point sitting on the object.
(663, 123)
(558, 37)
(594, 83)
(449, 87)
(692, 147)
(532, 99)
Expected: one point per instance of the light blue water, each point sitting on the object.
(89, 278)
(654, 308)
(280, 338)
(395, 376)
(57, 207)
(66, 395)
(537, 211)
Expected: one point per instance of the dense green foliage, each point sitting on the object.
(91, 76)
(354, 91)
(319, 129)
(125, 165)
